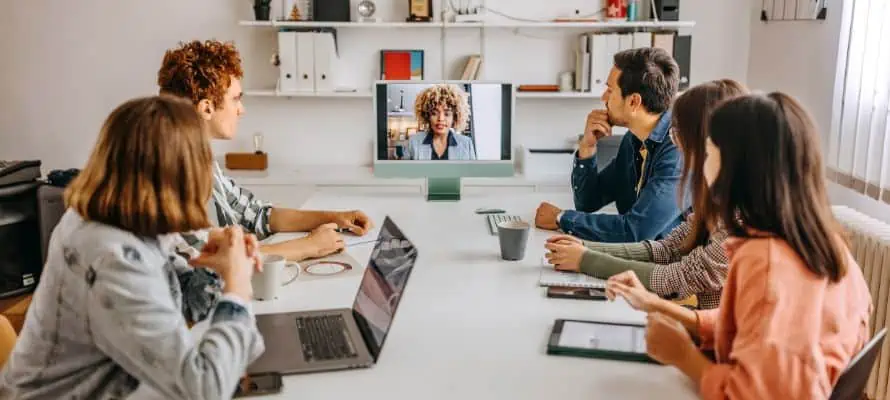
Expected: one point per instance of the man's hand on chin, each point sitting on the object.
(545, 217)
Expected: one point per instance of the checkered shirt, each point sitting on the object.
(702, 272)
(230, 205)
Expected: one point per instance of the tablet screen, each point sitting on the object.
(595, 336)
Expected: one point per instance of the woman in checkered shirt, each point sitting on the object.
(690, 260)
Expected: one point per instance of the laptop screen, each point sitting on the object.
(383, 284)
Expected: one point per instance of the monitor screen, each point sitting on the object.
(382, 285)
(444, 121)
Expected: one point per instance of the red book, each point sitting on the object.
(397, 66)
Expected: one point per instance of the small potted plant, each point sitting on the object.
(262, 9)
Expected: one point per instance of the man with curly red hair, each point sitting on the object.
(209, 74)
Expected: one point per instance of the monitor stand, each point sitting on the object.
(442, 189)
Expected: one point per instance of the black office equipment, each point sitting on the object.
(12, 172)
(330, 10)
(20, 245)
(667, 10)
(683, 56)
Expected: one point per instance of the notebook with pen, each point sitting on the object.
(597, 339)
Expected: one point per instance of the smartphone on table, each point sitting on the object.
(560, 292)
(259, 385)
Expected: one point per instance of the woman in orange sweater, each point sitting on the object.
(795, 306)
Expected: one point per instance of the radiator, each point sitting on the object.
(870, 245)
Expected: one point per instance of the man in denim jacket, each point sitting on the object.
(643, 178)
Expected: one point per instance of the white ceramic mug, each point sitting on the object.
(267, 283)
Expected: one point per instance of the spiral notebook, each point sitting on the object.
(553, 277)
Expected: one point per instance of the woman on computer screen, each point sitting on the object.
(442, 112)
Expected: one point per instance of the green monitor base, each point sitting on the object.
(443, 189)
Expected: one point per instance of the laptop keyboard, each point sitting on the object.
(325, 338)
(495, 219)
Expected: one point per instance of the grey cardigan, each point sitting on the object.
(108, 320)
(420, 147)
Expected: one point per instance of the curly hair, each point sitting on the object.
(198, 71)
(448, 95)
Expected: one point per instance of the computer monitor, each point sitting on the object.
(442, 131)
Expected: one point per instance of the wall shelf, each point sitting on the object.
(367, 94)
(275, 93)
(671, 25)
(322, 24)
(558, 95)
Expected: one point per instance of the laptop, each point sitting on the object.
(337, 339)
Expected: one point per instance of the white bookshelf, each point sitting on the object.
(322, 24)
(667, 25)
(558, 95)
(366, 94)
(275, 93)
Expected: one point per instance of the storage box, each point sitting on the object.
(249, 161)
(547, 163)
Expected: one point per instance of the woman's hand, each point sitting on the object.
(226, 253)
(667, 341)
(564, 238)
(628, 286)
(565, 255)
(252, 246)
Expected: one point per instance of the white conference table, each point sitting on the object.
(470, 326)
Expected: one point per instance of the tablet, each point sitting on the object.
(596, 339)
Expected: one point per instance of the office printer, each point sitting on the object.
(29, 210)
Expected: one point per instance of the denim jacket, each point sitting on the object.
(650, 215)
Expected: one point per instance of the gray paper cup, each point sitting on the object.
(267, 283)
(513, 236)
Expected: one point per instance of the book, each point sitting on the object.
(553, 277)
(472, 68)
(537, 88)
(401, 65)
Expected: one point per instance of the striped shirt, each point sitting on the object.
(231, 205)
(701, 272)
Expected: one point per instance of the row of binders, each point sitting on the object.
(595, 52)
(307, 61)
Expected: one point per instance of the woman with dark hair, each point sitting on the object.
(690, 260)
(795, 308)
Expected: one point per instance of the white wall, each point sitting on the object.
(67, 64)
(487, 120)
(799, 58)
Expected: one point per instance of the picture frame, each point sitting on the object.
(420, 11)
(402, 65)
